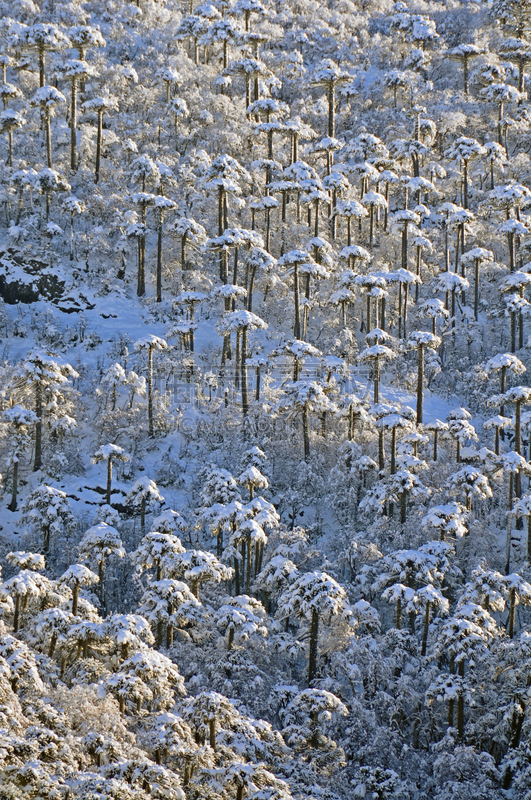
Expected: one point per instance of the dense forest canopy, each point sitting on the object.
(265, 414)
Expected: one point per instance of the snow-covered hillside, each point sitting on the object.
(265, 521)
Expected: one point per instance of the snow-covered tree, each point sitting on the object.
(317, 598)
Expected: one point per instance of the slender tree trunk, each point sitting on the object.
(297, 325)
(406, 292)
(10, 147)
(376, 380)
(73, 126)
(314, 635)
(404, 245)
(75, 597)
(381, 451)
(398, 619)
(150, 393)
(248, 564)
(425, 629)
(48, 133)
(250, 289)
(42, 75)
(141, 278)
(236, 565)
(331, 109)
(99, 137)
(109, 481)
(512, 612)
(37, 463)
(16, 617)
(306, 431)
(461, 704)
(400, 315)
(159, 260)
(46, 540)
(101, 567)
(14, 491)
(420, 384)
(243, 356)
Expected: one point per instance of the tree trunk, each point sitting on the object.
(10, 147)
(376, 380)
(465, 183)
(14, 491)
(236, 565)
(16, 617)
(48, 133)
(37, 464)
(73, 126)
(159, 259)
(306, 431)
(150, 393)
(425, 629)
(212, 733)
(312, 658)
(141, 281)
(109, 481)
(461, 704)
(404, 245)
(331, 109)
(476, 288)
(420, 384)
(243, 357)
(75, 597)
(512, 612)
(143, 515)
(248, 564)
(46, 539)
(381, 451)
(406, 292)
(101, 567)
(98, 147)
(398, 620)
(400, 310)
(42, 76)
(297, 325)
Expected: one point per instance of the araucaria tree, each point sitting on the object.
(47, 381)
(315, 597)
